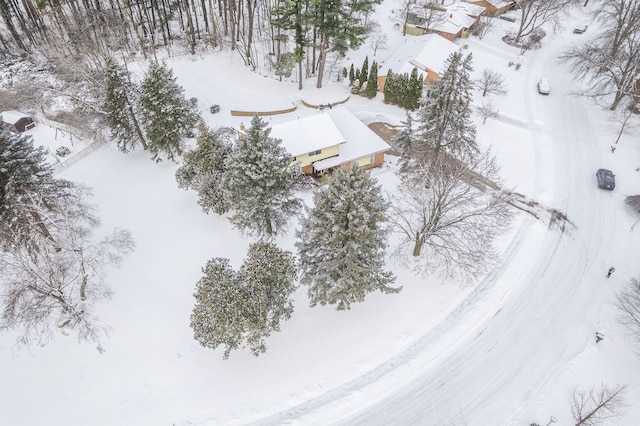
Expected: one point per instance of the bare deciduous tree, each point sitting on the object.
(629, 304)
(448, 215)
(377, 39)
(634, 202)
(608, 63)
(484, 25)
(491, 82)
(58, 284)
(591, 407)
(535, 14)
(488, 110)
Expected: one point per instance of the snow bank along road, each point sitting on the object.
(496, 359)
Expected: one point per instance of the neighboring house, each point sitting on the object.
(328, 140)
(494, 7)
(451, 22)
(430, 61)
(16, 121)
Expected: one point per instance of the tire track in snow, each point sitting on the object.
(448, 376)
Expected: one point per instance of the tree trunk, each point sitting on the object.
(269, 226)
(321, 61)
(418, 246)
(300, 75)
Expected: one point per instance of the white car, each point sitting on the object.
(543, 86)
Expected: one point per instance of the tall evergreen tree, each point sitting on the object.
(403, 140)
(269, 274)
(444, 119)
(339, 27)
(372, 83)
(168, 116)
(27, 189)
(352, 75)
(290, 15)
(389, 88)
(238, 308)
(414, 94)
(203, 168)
(342, 240)
(119, 104)
(364, 72)
(257, 182)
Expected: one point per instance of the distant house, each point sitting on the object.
(16, 121)
(332, 139)
(494, 7)
(430, 61)
(451, 22)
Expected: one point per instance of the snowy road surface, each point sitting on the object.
(494, 360)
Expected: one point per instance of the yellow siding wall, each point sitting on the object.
(305, 160)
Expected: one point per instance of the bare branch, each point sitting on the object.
(591, 407)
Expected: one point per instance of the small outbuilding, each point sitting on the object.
(16, 121)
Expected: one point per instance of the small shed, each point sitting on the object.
(16, 121)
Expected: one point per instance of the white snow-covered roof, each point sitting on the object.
(334, 126)
(433, 55)
(308, 134)
(456, 17)
(361, 140)
(498, 4)
(12, 116)
(469, 8)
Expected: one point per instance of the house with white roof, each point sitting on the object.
(451, 21)
(494, 7)
(430, 60)
(332, 139)
(15, 121)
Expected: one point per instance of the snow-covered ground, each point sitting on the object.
(506, 351)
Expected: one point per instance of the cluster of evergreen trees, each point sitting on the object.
(340, 248)
(155, 114)
(404, 90)
(364, 80)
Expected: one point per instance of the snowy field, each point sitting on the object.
(507, 350)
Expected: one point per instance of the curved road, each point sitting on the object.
(525, 324)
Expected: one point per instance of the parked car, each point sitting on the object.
(606, 179)
(544, 87)
(580, 29)
(508, 18)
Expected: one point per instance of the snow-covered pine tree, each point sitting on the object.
(219, 316)
(403, 140)
(403, 90)
(372, 83)
(27, 187)
(269, 274)
(119, 103)
(203, 168)
(341, 242)
(414, 95)
(364, 72)
(388, 91)
(352, 75)
(168, 116)
(444, 118)
(244, 308)
(258, 184)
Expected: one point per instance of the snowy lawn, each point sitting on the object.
(507, 350)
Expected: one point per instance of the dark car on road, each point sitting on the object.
(606, 179)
